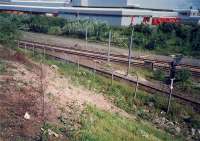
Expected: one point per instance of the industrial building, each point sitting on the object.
(113, 12)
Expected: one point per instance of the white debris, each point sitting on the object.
(52, 133)
(27, 116)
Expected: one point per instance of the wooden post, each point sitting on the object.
(109, 44)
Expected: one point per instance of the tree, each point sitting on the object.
(195, 38)
(8, 31)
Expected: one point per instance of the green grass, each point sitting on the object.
(99, 125)
(2, 67)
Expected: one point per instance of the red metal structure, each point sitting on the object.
(160, 20)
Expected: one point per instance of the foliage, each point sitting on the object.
(142, 28)
(2, 67)
(159, 75)
(183, 77)
(8, 31)
(55, 30)
(121, 94)
(164, 39)
(151, 45)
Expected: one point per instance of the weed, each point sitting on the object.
(2, 67)
(103, 126)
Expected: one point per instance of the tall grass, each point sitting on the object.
(99, 125)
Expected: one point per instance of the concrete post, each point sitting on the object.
(86, 37)
(109, 44)
(129, 53)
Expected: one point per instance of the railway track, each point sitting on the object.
(137, 61)
(144, 85)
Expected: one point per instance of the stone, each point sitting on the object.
(193, 131)
(178, 130)
(150, 104)
(198, 131)
(170, 124)
(163, 113)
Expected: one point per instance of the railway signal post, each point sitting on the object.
(174, 63)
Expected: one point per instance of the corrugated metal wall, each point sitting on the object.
(102, 3)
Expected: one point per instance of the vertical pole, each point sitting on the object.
(110, 34)
(86, 37)
(25, 48)
(33, 49)
(18, 44)
(78, 64)
(112, 77)
(129, 53)
(170, 95)
(44, 52)
(136, 88)
(94, 69)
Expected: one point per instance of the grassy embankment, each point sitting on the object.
(122, 96)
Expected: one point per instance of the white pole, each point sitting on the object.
(129, 53)
(170, 95)
(86, 37)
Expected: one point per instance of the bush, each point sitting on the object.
(55, 30)
(183, 78)
(183, 75)
(143, 29)
(167, 27)
(2, 67)
(8, 31)
(159, 75)
(151, 45)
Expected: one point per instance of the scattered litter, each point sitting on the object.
(27, 116)
(50, 132)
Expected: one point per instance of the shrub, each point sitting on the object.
(55, 30)
(159, 75)
(8, 31)
(167, 27)
(183, 78)
(143, 29)
(151, 45)
(183, 75)
(2, 67)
